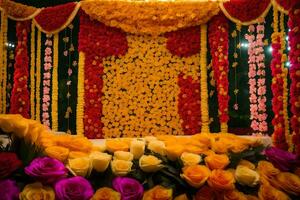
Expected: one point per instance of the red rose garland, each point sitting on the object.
(97, 41)
(294, 58)
(189, 105)
(218, 42)
(185, 42)
(277, 89)
(20, 95)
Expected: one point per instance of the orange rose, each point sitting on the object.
(205, 193)
(268, 192)
(234, 195)
(106, 193)
(217, 161)
(116, 145)
(221, 145)
(59, 153)
(203, 138)
(195, 175)
(289, 182)
(194, 149)
(158, 193)
(221, 180)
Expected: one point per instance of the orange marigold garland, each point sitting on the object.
(20, 103)
(218, 41)
(294, 58)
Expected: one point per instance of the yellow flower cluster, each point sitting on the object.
(32, 71)
(155, 18)
(140, 90)
(80, 96)
(54, 104)
(3, 61)
(38, 76)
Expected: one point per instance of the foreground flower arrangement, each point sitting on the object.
(203, 166)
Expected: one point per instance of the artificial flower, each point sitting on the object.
(81, 166)
(123, 155)
(137, 148)
(130, 189)
(100, 161)
(106, 193)
(157, 147)
(37, 191)
(121, 167)
(150, 163)
(217, 161)
(190, 159)
(246, 176)
(221, 180)
(158, 193)
(195, 175)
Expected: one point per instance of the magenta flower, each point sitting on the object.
(9, 190)
(46, 170)
(283, 160)
(75, 188)
(130, 189)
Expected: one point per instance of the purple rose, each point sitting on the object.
(75, 188)
(130, 189)
(46, 170)
(283, 160)
(9, 190)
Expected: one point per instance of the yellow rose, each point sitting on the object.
(221, 180)
(190, 159)
(158, 193)
(81, 166)
(289, 182)
(150, 138)
(150, 163)
(217, 161)
(121, 167)
(77, 154)
(181, 197)
(195, 175)
(57, 152)
(137, 148)
(157, 147)
(234, 195)
(99, 147)
(174, 151)
(246, 176)
(113, 145)
(100, 161)
(106, 193)
(247, 163)
(123, 155)
(268, 192)
(36, 191)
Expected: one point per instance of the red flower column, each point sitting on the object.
(218, 41)
(20, 95)
(97, 41)
(294, 58)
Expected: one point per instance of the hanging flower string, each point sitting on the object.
(218, 40)
(20, 98)
(252, 78)
(261, 81)
(47, 81)
(294, 58)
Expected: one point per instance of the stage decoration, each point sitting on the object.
(54, 99)
(189, 104)
(203, 79)
(225, 175)
(80, 95)
(218, 43)
(20, 98)
(10, 75)
(38, 76)
(145, 90)
(32, 71)
(48, 65)
(3, 61)
(97, 41)
(246, 12)
(155, 18)
(278, 121)
(18, 11)
(282, 5)
(294, 58)
(49, 22)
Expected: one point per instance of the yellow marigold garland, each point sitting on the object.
(55, 83)
(32, 71)
(203, 81)
(38, 76)
(80, 95)
(4, 59)
(1, 56)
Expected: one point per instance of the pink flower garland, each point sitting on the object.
(47, 81)
(257, 88)
(261, 82)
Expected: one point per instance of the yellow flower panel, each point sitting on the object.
(140, 90)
